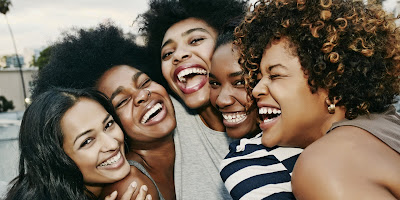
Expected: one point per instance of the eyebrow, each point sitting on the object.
(238, 73)
(120, 88)
(275, 66)
(90, 130)
(184, 34)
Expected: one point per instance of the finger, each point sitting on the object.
(112, 196)
(128, 193)
(148, 197)
(142, 193)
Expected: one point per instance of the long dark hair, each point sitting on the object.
(45, 170)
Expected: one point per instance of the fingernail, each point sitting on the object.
(134, 184)
(148, 197)
(114, 193)
(144, 187)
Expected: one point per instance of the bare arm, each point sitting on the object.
(348, 163)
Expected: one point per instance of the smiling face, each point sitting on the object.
(144, 106)
(94, 142)
(228, 94)
(291, 114)
(186, 53)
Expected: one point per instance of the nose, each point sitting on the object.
(225, 98)
(260, 89)
(142, 96)
(181, 54)
(108, 142)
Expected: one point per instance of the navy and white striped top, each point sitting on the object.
(253, 171)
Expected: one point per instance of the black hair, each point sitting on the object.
(45, 170)
(82, 56)
(162, 14)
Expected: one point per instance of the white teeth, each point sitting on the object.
(188, 71)
(267, 120)
(265, 110)
(111, 160)
(234, 117)
(154, 109)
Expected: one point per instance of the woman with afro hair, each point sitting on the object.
(324, 74)
(181, 36)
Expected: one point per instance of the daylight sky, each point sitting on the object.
(38, 23)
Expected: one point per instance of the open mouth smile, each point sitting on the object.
(234, 118)
(269, 115)
(111, 161)
(155, 114)
(190, 78)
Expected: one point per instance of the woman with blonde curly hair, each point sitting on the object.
(324, 74)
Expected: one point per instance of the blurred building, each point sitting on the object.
(12, 62)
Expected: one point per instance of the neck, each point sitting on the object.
(211, 117)
(95, 189)
(158, 154)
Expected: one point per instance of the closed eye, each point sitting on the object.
(145, 83)
(122, 103)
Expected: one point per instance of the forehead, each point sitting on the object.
(116, 76)
(225, 57)
(177, 29)
(81, 116)
(277, 51)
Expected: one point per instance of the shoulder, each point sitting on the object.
(348, 163)
(122, 185)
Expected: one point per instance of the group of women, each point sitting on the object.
(318, 75)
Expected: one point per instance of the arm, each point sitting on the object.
(348, 163)
(123, 185)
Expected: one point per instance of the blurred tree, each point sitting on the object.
(5, 105)
(4, 8)
(43, 58)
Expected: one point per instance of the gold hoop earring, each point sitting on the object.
(331, 108)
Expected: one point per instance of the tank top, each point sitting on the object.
(144, 171)
(385, 126)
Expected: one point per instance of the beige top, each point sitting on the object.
(385, 126)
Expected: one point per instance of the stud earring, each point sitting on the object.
(331, 108)
(148, 93)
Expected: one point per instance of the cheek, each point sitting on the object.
(213, 96)
(166, 71)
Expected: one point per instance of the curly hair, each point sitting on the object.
(350, 49)
(162, 14)
(82, 56)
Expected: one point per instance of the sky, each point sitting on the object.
(39, 23)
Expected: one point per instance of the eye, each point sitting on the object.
(239, 83)
(123, 102)
(214, 84)
(86, 142)
(109, 124)
(273, 76)
(166, 55)
(196, 40)
(145, 83)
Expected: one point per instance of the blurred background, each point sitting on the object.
(27, 30)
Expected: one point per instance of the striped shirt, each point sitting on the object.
(253, 171)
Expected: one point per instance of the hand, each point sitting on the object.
(130, 191)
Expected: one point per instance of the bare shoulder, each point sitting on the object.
(122, 185)
(348, 163)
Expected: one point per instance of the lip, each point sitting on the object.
(230, 124)
(156, 119)
(115, 165)
(182, 86)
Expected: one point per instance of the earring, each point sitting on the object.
(148, 93)
(331, 108)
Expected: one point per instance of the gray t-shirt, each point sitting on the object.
(199, 151)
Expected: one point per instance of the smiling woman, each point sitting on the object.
(71, 146)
